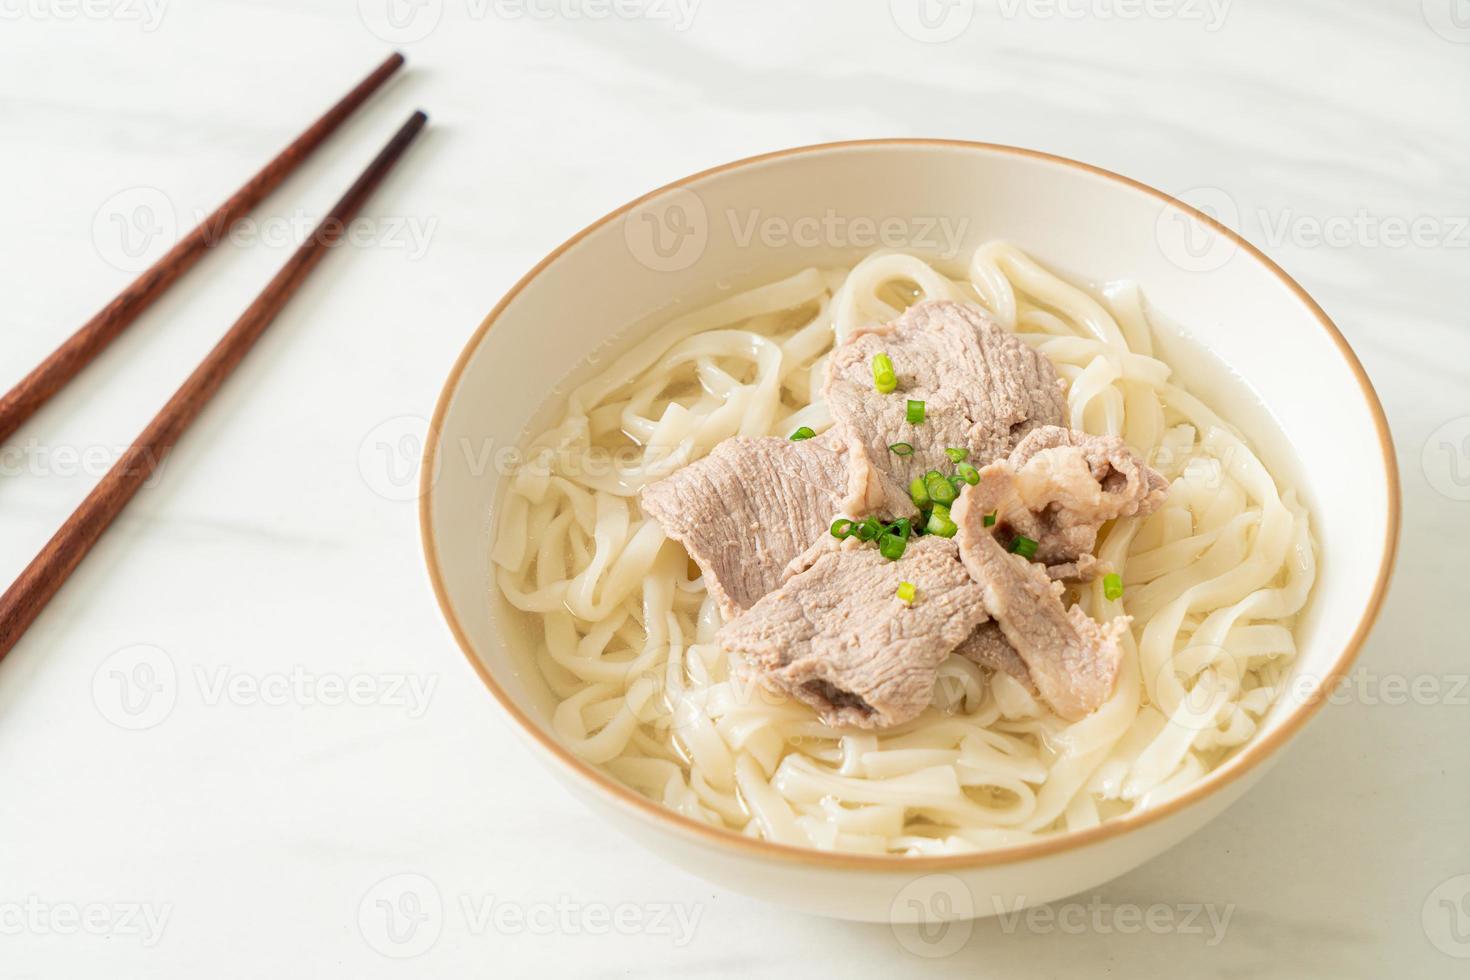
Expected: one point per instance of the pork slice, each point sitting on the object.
(753, 505)
(983, 390)
(1071, 658)
(989, 648)
(838, 638)
(1059, 486)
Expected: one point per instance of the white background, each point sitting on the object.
(280, 539)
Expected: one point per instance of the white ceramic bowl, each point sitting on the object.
(767, 216)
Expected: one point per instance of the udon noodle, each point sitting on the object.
(625, 628)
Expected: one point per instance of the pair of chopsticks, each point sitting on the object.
(49, 570)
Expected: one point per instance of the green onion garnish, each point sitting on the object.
(891, 546)
(1113, 586)
(967, 473)
(883, 377)
(901, 449)
(958, 482)
(915, 412)
(906, 593)
(940, 523)
(868, 530)
(1024, 547)
(901, 527)
(841, 528)
(919, 493)
(805, 432)
(957, 455)
(941, 491)
(990, 519)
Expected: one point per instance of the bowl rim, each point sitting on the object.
(1249, 757)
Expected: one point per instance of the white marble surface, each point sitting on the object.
(254, 822)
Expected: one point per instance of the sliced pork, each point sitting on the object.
(989, 648)
(1059, 486)
(837, 637)
(750, 507)
(983, 390)
(1071, 658)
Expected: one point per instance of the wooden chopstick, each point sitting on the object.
(52, 374)
(24, 600)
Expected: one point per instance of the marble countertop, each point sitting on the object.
(243, 717)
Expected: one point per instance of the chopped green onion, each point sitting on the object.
(957, 455)
(990, 519)
(883, 377)
(901, 527)
(915, 412)
(919, 493)
(958, 482)
(1113, 586)
(1024, 547)
(841, 528)
(967, 473)
(891, 546)
(868, 530)
(940, 523)
(906, 592)
(901, 449)
(805, 432)
(941, 491)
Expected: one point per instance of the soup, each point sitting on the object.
(755, 661)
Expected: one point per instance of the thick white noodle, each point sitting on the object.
(626, 635)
